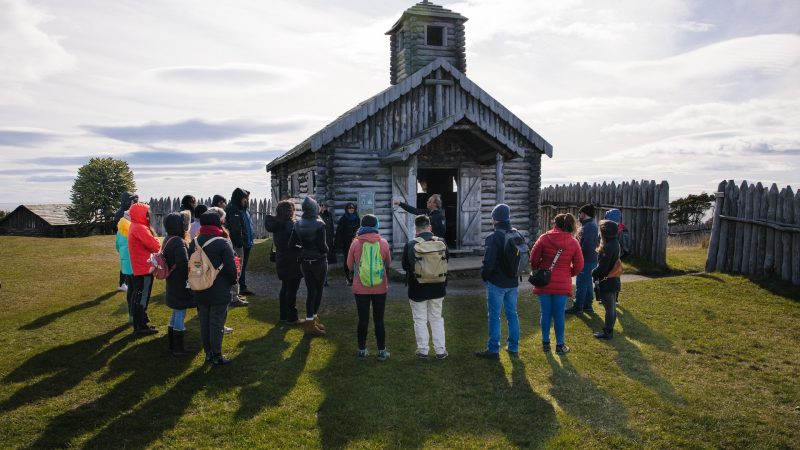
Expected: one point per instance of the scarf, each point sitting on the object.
(212, 230)
(352, 217)
(367, 230)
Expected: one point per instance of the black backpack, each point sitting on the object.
(514, 261)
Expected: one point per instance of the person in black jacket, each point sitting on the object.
(178, 296)
(607, 286)
(235, 223)
(434, 211)
(309, 239)
(425, 299)
(287, 265)
(327, 217)
(212, 303)
(346, 231)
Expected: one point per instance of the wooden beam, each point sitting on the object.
(501, 187)
(439, 83)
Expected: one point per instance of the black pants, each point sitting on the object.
(212, 320)
(242, 277)
(123, 279)
(143, 286)
(314, 272)
(378, 302)
(609, 300)
(288, 299)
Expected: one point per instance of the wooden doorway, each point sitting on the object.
(445, 183)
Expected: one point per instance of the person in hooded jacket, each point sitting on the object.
(553, 296)
(346, 231)
(212, 303)
(178, 295)
(287, 266)
(142, 242)
(327, 216)
(123, 226)
(126, 200)
(369, 295)
(589, 239)
(608, 283)
(309, 239)
(240, 228)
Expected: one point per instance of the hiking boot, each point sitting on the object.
(546, 347)
(220, 360)
(603, 335)
(442, 355)
(362, 353)
(239, 302)
(562, 349)
(487, 354)
(227, 330)
(318, 323)
(145, 331)
(573, 310)
(177, 343)
(383, 355)
(421, 355)
(246, 291)
(311, 328)
(512, 354)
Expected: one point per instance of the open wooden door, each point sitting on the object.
(404, 188)
(469, 207)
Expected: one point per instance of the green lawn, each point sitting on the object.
(699, 361)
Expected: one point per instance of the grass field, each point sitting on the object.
(699, 361)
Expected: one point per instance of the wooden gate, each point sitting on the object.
(469, 207)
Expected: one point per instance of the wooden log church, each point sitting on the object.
(433, 131)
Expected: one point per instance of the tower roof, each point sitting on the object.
(427, 9)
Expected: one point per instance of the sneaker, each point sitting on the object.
(442, 355)
(383, 355)
(227, 330)
(123, 288)
(239, 302)
(363, 353)
(487, 354)
(562, 349)
(421, 355)
(546, 347)
(602, 335)
(220, 360)
(512, 354)
(246, 292)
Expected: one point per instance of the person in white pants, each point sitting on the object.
(425, 298)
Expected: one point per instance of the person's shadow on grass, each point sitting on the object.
(49, 318)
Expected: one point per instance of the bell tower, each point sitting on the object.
(424, 33)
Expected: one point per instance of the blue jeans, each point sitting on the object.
(177, 319)
(584, 287)
(497, 297)
(552, 309)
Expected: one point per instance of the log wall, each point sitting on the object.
(756, 231)
(644, 206)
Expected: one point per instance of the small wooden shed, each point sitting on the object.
(38, 220)
(433, 131)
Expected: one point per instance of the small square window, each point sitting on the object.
(435, 35)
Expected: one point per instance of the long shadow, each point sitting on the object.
(66, 365)
(778, 287)
(136, 371)
(407, 403)
(49, 318)
(580, 397)
(634, 363)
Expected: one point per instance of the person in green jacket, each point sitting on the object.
(125, 268)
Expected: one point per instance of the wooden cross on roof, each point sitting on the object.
(439, 83)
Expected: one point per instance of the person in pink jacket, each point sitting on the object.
(553, 296)
(368, 259)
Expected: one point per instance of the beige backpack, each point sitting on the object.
(201, 272)
(430, 260)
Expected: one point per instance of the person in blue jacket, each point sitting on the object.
(589, 238)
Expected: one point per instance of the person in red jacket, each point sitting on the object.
(368, 242)
(553, 296)
(142, 242)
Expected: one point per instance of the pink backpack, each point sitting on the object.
(158, 263)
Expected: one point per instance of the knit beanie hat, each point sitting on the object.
(501, 213)
(369, 221)
(210, 218)
(587, 209)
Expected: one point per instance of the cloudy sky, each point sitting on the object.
(198, 95)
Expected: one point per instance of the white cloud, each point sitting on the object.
(27, 53)
(233, 76)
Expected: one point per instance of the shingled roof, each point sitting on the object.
(52, 213)
(374, 104)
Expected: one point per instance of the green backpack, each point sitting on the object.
(370, 265)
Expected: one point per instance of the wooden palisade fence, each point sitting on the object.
(160, 207)
(756, 231)
(644, 207)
